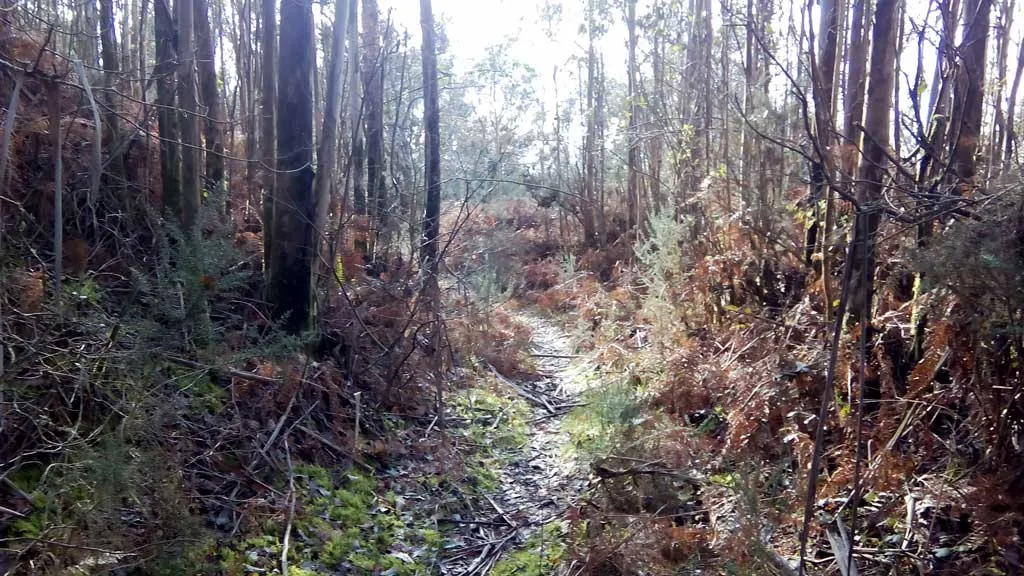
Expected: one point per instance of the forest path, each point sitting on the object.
(538, 482)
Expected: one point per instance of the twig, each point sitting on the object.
(471, 522)
(291, 510)
(536, 399)
(280, 423)
(355, 457)
(501, 512)
(228, 371)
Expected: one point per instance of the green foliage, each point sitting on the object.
(540, 556)
(345, 525)
(608, 418)
(664, 271)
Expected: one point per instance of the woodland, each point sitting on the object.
(312, 289)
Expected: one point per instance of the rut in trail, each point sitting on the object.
(540, 483)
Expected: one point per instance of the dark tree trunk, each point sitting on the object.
(633, 137)
(857, 63)
(189, 120)
(111, 71)
(214, 113)
(373, 94)
(166, 63)
(268, 154)
(432, 149)
(969, 93)
(872, 166)
(290, 273)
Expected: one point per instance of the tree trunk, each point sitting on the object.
(327, 154)
(998, 132)
(57, 142)
(872, 166)
(373, 94)
(268, 124)
(432, 149)
(290, 273)
(432, 173)
(590, 177)
(1010, 141)
(633, 137)
(189, 121)
(969, 93)
(166, 63)
(214, 113)
(856, 79)
(747, 137)
(111, 71)
(355, 114)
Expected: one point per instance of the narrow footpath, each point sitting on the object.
(540, 481)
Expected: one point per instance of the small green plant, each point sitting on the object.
(539, 556)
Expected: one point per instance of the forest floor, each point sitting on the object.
(537, 481)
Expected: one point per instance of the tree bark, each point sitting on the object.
(432, 149)
(189, 120)
(170, 151)
(290, 273)
(327, 154)
(1010, 141)
(589, 177)
(856, 79)
(111, 71)
(373, 94)
(355, 114)
(432, 217)
(633, 137)
(969, 94)
(268, 142)
(872, 167)
(213, 118)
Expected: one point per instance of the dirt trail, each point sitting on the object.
(539, 483)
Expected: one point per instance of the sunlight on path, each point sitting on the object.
(541, 481)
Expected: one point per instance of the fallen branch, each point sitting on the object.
(223, 371)
(291, 510)
(536, 399)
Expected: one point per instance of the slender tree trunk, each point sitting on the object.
(268, 142)
(432, 149)
(897, 113)
(432, 217)
(998, 132)
(969, 93)
(856, 80)
(633, 136)
(327, 154)
(356, 115)
(189, 120)
(1010, 141)
(290, 273)
(747, 137)
(590, 177)
(57, 142)
(872, 171)
(111, 71)
(166, 64)
(726, 92)
(213, 117)
(373, 93)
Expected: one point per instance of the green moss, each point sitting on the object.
(540, 556)
(345, 525)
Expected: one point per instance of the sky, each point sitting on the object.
(473, 25)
